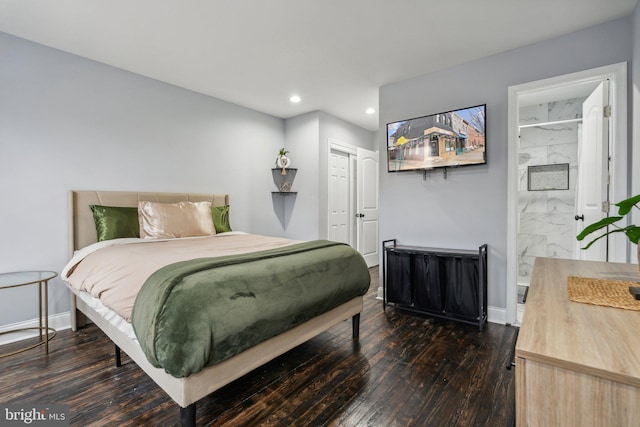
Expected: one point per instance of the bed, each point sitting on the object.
(187, 389)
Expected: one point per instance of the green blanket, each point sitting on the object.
(196, 313)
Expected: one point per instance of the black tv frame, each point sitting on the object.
(446, 139)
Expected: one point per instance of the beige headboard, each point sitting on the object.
(83, 229)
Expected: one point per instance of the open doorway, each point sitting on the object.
(567, 160)
(353, 198)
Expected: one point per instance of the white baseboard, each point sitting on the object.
(497, 315)
(58, 322)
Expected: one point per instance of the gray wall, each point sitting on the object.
(301, 210)
(71, 123)
(307, 137)
(470, 207)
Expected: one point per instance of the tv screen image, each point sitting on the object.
(450, 139)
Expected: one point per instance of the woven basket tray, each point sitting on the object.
(610, 293)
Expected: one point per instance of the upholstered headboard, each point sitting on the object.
(82, 226)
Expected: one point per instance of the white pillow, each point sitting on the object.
(171, 220)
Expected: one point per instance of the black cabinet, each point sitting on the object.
(447, 283)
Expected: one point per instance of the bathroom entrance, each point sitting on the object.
(567, 162)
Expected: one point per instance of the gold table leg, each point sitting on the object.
(43, 341)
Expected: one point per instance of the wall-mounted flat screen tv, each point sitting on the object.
(450, 139)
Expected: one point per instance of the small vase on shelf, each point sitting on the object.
(282, 161)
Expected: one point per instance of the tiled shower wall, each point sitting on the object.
(546, 224)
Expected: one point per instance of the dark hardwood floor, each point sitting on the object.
(403, 371)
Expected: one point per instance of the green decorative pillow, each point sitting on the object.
(113, 222)
(220, 215)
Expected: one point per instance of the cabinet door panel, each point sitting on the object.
(461, 283)
(426, 279)
(399, 278)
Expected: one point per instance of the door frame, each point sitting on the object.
(352, 153)
(617, 75)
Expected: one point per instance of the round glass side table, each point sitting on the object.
(25, 278)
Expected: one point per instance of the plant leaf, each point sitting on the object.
(604, 222)
(626, 205)
(592, 242)
(617, 230)
(633, 233)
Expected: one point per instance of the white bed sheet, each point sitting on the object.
(111, 316)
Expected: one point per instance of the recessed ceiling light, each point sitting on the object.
(295, 99)
(370, 111)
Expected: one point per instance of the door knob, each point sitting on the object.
(359, 215)
(579, 217)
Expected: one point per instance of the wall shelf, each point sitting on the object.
(284, 182)
(284, 199)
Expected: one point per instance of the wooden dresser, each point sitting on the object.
(577, 364)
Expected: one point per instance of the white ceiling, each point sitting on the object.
(334, 53)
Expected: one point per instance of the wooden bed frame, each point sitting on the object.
(187, 391)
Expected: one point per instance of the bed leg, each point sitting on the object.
(118, 357)
(188, 416)
(355, 323)
(73, 313)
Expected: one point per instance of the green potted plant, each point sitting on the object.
(631, 231)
